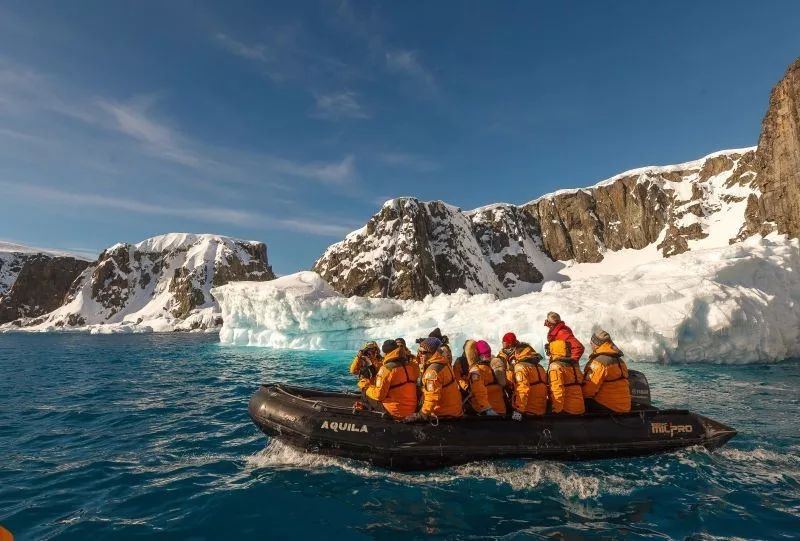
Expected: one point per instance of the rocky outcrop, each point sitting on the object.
(670, 206)
(162, 283)
(34, 283)
(777, 162)
(408, 250)
(411, 249)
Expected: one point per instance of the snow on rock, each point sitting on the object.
(159, 284)
(413, 248)
(739, 303)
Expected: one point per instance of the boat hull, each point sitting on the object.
(326, 423)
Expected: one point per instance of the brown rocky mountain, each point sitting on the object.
(34, 282)
(411, 248)
(161, 283)
(777, 162)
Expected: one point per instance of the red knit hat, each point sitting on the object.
(509, 338)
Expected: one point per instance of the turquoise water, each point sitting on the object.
(147, 437)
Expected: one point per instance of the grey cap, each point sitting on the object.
(600, 337)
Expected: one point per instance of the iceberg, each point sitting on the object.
(735, 304)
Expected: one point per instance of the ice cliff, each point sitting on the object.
(738, 303)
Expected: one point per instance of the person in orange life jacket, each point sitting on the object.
(564, 379)
(367, 361)
(558, 330)
(440, 395)
(468, 357)
(530, 382)
(605, 385)
(437, 333)
(509, 346)
(395, 387)
(401, 342)
(487, 380)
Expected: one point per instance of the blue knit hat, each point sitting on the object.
(431, 344)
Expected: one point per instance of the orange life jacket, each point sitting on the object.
(440, 393)
(530, 387)
(564, 380)
(395, 385)
(494, 387)
(606, 378)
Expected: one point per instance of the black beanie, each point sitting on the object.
(389, 346)
(436, 333)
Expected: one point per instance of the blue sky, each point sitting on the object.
(291, 122)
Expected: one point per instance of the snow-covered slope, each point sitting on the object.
(737, 303)
(411, 248)
(33, 281)
(159, 284)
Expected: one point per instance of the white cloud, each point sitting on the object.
(328, 173)
(407, 62)
(231, 216)
(158, 139)
(338, 106)
(409, 161)
(252, 52)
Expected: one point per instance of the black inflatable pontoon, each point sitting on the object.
(327, 423)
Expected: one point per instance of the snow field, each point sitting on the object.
(735, 304)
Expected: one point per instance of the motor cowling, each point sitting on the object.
(640, 388)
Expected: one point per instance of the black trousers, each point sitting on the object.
(372, 405)
(594, 407)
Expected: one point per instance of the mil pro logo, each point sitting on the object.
(344, 427)
(671, 429)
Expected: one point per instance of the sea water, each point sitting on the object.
(147, 437)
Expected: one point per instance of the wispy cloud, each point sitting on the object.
(133, 119)
(408, 63)
(23, 90)
(222, 215)
(337, 106)
(329, 173)
(256, 52)
(288, 53)
(408, 161)
(397, 60)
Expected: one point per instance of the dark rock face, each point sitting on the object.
(41, 283)
(408, 250)
(777, 162)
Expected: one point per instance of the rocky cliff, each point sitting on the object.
(34, 282)
(411, 248)
(777, 162)
(162, 283)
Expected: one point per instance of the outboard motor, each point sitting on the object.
(640, 389)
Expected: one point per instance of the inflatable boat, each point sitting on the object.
(329, 423)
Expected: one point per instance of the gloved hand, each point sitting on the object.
(414, 417)
(517, 416)
(363, 383)
(490, 413)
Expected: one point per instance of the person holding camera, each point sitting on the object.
(440, 395)
(395, 386)
(367, 361)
